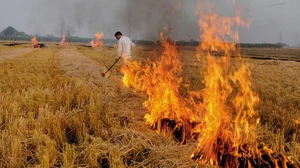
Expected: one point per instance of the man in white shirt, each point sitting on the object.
(124, 47)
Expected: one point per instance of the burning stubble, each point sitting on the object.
(34, 43)
(224, 119)
(167, 112)
(97, 41)
(64, 41)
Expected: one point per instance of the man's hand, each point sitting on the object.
(121, 56)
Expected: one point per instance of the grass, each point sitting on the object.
(50, 117)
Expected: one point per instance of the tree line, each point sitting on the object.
(74, 39)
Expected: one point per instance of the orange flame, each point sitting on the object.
(116, 45)
(227, 90)
(222, 115)
(97, 42)
(226, 136)
(160, 80)
(35, 43)
(64, 41)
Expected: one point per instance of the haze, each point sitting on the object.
(272, 20)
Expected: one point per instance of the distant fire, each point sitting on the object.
(64, 41)
(35, 43)
(97, 42)
(116, 45)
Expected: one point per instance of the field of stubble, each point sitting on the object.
(57, 111)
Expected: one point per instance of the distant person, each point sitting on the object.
(124, 46)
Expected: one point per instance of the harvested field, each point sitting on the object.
(7, 53)
(56, 110)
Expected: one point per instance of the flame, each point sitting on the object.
(35, 43)
(97, 42)
(297, 121)
(160, 79)
(228, 100)
(222, 116)
(64, 41)
(226, 136)
(116, 45)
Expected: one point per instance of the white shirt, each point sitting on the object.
(124, 47)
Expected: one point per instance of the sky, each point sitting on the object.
(269, 18)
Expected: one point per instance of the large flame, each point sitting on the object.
(228, 101)
(97, 42)
(34, 43)
(222, 116)
(226, 136)
(160, 79)
(64, 41)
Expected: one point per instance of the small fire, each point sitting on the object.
(160, 79)
(64, 41)
(35, 43)
(116, 45)
(97, 42)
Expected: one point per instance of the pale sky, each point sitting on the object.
(147, 17)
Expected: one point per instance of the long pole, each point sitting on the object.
(104, 73)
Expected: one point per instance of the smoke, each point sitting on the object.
(145, 19)
(135, 18)
(78, 17)
(53, 17)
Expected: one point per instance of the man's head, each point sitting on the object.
(118, 35)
